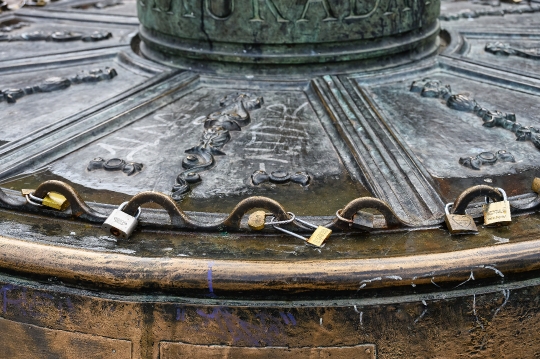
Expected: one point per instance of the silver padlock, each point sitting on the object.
(120, 224)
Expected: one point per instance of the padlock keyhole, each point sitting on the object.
(115, 232)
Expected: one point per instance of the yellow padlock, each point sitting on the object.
(56, 201)
(51, 200)
(320, 235)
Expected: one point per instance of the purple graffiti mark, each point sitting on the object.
(180, 314)
(210, 285)
(69, 309)
(288, 318)
(231, 328)
(39, 300)
(14, 302)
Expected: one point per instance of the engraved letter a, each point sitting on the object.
(326, 7)
(271, 6)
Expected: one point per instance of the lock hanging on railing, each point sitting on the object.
(497, 213)
(459, 223)
(257, 221)
(52, 200)
(121, 224)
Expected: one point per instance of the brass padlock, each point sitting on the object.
(317, 238)
(459, 223)
(256, 220)
(536, 185)
(497, 213)
(52, 199)
(320, 235)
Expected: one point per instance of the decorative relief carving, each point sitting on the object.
(58, 83)
(58, 36)
(486, 158)
(472, 14)
(115, 164)
(461, 102)
(280, 177)
(9, 28)
(501, 48)
(100, 4)
(217, 127)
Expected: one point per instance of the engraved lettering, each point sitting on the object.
(220, 9)
(326, 7)
(271, 6)
(163, 5)
(120, 221)
(392, 8)
(356, 13)
(188, 12)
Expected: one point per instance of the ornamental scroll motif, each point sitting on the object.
(486, 158)
(501, 48)
(58, 83)
(492, 118)
(57, 36)
(217, 133)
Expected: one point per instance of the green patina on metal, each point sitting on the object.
(284, 32)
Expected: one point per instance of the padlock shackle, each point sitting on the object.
(124, 204)
(306, 223)
(276, 226)
(291, 219)
(447, 208)
(466, 197)
(30, 198)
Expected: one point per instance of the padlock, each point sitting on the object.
(56, 201)
(317, 238)
(497, 213)
(256, 220)
(52, 200)
(121, 224)
(459, 223)
(536, 185)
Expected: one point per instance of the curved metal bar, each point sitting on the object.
(178, 217)
(391, 218)
(525, 206)
(233, 221)
(79, 208)
(10, 202)
(531, 204)
(463, 200)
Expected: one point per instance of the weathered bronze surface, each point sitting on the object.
(226, 121)
(272, 32)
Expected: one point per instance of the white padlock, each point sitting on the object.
(121, 224)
